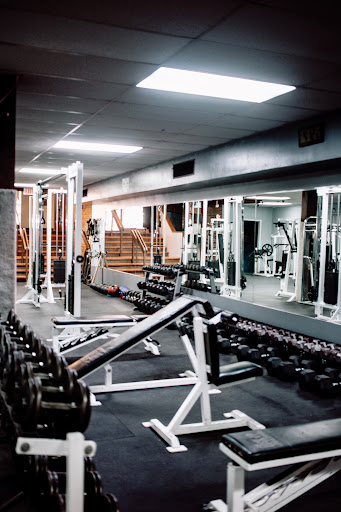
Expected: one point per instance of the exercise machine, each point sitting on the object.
(289, 254)
(74, 178)
(231, 246)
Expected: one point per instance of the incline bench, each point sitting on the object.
(314, 448)
(210, 377)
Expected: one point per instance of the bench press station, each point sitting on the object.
(313, 448)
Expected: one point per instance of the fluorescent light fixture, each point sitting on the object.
(274, 203)
(93, 146)
(270, 198)
(37, 170)
(217, 86)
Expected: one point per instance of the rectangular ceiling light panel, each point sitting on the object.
(217, 86)
(93, 146)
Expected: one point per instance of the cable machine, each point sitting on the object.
(73, 256)
(231, 245)
(329, 239)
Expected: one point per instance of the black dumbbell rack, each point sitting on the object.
(194, 272)
(173, 273)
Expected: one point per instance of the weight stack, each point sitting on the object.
(59, 271)
(231, 273)
(330, 287)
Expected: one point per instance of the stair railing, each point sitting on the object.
(120, 226)
(138, 242)
(25, 248)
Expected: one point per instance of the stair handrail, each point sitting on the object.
(137, 241)
(119, 225)
(25, 246)
(85, 240)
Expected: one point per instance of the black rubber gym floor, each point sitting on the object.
(133, 461)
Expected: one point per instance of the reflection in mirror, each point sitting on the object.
(271, 246)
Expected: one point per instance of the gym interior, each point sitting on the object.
(170, 280)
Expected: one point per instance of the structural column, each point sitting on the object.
(8, 231)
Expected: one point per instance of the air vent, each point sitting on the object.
(183, 169)
(85, 192)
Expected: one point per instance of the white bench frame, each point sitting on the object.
(202, 390)
(271, 497)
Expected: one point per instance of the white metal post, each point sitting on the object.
(78, 169)
(185, 255)
(235, 488)
(75, 473)
(69, 231)
(164, 234)
(48, 283)
(151, 235)
(203, 233)
(323, 251)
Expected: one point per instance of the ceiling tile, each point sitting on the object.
(266, 27)
(218, 131)
(151, 15)
(58, 103)
(84, 38)
(69, 87)
(230, 60)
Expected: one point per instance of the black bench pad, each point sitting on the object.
(238, 371)
(282, 442)
(64, 320)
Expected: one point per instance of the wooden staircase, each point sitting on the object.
(22, 255)
(117, 261)
(123, 261)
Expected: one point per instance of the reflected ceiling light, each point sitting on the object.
(270, 198)
(217, 86)
(37, 170)
(274, 203)
(94, 146)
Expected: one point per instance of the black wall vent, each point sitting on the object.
(85, 192)
(183, 169)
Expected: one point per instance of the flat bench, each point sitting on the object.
(314, 449)
(69, 333)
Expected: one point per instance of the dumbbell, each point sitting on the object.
(257, 354)
(34, 465)
(46, 360)
(288, 370)
(50, 482)
(39, 407)
(102, 503)
(326, 384)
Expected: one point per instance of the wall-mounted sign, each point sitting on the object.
(28, 191)
(311, 135)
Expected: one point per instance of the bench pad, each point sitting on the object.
(85, 320)
(238, 371)
(282, 442)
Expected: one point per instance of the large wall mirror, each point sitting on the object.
(280, 250)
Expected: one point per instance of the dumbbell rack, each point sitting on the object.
(74, 448)
(177, 273)
(194, 275)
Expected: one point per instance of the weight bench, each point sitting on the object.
(314, 448)
(210, 377)
(118, 345)
(69, 333)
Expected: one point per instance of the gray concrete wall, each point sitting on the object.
(230, 168)
(8, 239)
